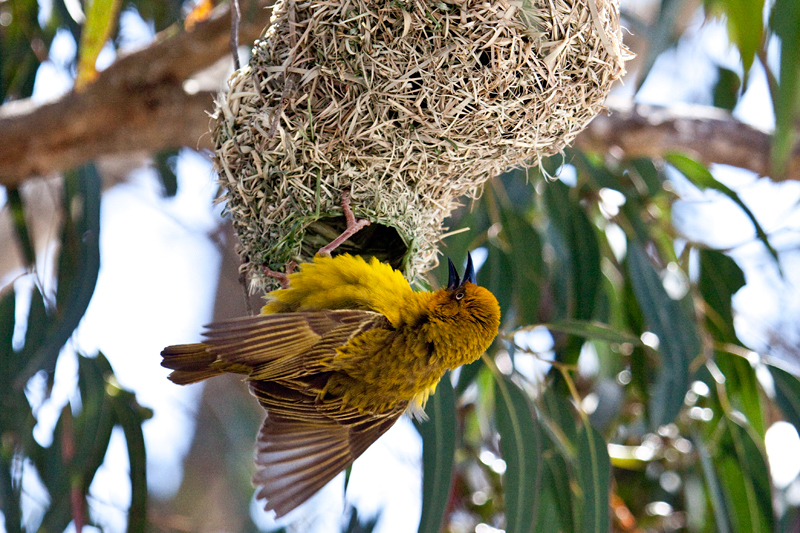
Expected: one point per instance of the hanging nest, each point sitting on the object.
(409, 105)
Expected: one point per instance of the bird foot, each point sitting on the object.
(353, 227)
(280, 276)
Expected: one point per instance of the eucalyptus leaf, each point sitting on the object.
(521, 446)
(438, 452)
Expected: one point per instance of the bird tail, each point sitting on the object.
(190, 363)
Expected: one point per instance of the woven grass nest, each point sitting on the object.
(408, 105)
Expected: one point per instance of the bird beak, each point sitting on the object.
(453, 281)
(469, 273)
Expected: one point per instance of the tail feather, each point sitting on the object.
(190, 363)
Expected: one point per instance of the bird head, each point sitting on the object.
(465, 316)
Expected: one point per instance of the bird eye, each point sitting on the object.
(460, 295)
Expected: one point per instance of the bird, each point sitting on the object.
(336, 357)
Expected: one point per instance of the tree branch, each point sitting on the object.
(709, 134)
(137, 103)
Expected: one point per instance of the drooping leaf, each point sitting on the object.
(745, 25)
(78, 267)
(526, 263)
(521, 446)
(575, 274)
(165, 163)
(698, 174)
(787, 395)
(594, 472)
(679, 340)
(784, 21)
(713, 487)
(744, 479)
(101, 18)
(438, 451)
(726, 90)
(720, 279)
(131, 416)
(21, 227)
(590, 330)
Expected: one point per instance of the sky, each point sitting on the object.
(161, 259)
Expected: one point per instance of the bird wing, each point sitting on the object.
(300, 447)
(287, 345)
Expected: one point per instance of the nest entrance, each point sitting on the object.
(375, 240)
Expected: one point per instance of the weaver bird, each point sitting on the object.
(335, 358)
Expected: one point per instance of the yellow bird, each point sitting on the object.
(335, 358)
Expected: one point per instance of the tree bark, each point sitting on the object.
(139, 104)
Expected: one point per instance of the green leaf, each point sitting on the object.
(21, 227)
(785, 21)
(745, 25)
(526, 263)
(8, 302)
(787, 395)
(652, 177)
(589, 330)
(698, 174)
(576, 274)
(131, 416)
(744, 478)
(726, 90)
(78, 267)
(165, 163)
(521, 446)
(720, 279)
(594, 472)
(101, 18)
(679, 340)
(438, 451)
(712, 484)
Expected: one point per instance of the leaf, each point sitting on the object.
(78, 267)
(576, 273)
(679, 340)
(21, 227)
(652, 177)
(745, 25)
(726, 90)
(698, 174)
(131, 416)
(712, 484)
(744, 478)
(165, 162)
(784, 20)
(521, 446)
(526, 263)
(101, 18)
(589, 330)
(438, 452)
(720, 279)
(787, 395)
(594, 472)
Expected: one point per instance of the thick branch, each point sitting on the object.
(709, 134)
(138, 103)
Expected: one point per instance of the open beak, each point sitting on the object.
(454, 281)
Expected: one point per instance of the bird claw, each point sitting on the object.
(280, 276)
(353, 227)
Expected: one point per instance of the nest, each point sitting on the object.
(409, 105)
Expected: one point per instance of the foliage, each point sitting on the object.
(677, 396)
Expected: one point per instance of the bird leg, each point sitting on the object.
(353, 227)
(280, 276)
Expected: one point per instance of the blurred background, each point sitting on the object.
(645, 378)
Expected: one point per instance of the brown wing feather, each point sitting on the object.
(304, 442)
(294, 459)
(280, 346)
